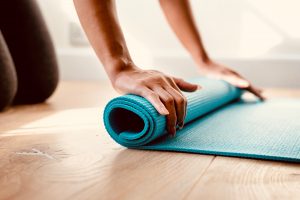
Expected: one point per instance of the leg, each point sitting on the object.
(8, 77)
(31, 48)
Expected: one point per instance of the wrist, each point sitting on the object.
(118, 66)
(202, 59)
(203, 63)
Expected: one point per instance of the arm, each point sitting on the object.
(180, 18)
(100, 22)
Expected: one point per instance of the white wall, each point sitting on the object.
(233, 30)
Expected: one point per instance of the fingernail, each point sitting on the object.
(180, 125)
(164, 111)
(199, 87)
(244, 84)
(261, 98)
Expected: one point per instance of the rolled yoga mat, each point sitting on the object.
(218, 122)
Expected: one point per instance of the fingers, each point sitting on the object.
(154, 99)
(236, 80)
(258, 89)
(256, 92)
(180, 102)
(164, 93)
(180, 105)
(185, 86)
(167, 100)
(169, 103)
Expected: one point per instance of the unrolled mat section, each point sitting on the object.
(217, 122)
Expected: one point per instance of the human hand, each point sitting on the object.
(219, 71)
(162, 91)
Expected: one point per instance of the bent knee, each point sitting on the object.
(8, 90)
(37, 91)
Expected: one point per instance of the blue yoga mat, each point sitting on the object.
(218, 122)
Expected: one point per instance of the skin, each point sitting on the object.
(100, 22)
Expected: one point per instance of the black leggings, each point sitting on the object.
(28, 66)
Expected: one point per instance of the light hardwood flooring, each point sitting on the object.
(60, 150)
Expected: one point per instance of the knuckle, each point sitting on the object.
(155, 80)
(154, 96)
(137, 87)
(169, 78)
(168, 87)
(142, 82)
(184, 100)
(146, 93)
(158, 80)
(169, 100)
(180, 100)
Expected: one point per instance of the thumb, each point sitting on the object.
(185, 86)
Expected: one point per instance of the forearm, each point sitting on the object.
(179, 16)
(100, 22)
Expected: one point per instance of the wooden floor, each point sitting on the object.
(60, 150)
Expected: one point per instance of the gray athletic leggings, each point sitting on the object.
(28, 66)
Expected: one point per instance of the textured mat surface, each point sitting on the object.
(216, 123)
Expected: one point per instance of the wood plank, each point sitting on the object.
(237, 178)
(90, 165)
(60, 150)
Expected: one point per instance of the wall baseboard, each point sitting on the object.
(276, 71)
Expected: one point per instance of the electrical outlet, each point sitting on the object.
(77, 36)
